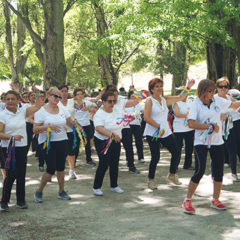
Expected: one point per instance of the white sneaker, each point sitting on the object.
(141, 160)
(117, 190)
(72, 174)
(97, 192)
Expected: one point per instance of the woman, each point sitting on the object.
(127, 140)
(135, 126)
(182, 131)
(229, 133)
(50, 123)
(157, 129)
(13, 127)
(205, 115)
(68, 105)
(82, 107)
(107, 128)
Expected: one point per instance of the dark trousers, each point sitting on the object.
(89, 133)
(233, 149)
(127, 142)
(29, 129)
(137, 132)
(217, 162)
(18, 174)
(40, 155)
(111, 159)
(168, 142)
(188, 137)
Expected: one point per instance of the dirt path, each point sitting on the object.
(136, 214)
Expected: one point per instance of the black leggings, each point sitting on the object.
(217, 157)
(137, 132)
(89, 133)
(111, 159)
(56, 157)
(188, 138)
(168, 142)
(19, 174)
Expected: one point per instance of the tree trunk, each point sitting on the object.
(54, 71)
(236, 36)
(221, 62)
(181, 68)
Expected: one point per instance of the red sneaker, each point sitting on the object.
(218, 205)
(187, 205)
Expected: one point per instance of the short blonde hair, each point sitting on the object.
(223, 79)
(53, 90)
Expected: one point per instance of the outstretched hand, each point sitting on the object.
(190, 83)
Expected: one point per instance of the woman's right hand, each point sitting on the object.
(18, 137)
(54, 128)
(117, 138)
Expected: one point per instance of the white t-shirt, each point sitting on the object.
(204, 115)
(179, 123)
(82, 116)
(15, 124)
(70, 109)
(137, 110)
(159, 114)
(2, 106)
(46, 118)
(108, 121)
(119, 107)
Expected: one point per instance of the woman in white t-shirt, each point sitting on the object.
(107, 128)
(82, 115)
(182, 131)
(68, 105)
(13, 127)
(205, 114)
(156, 117)
(50, 124)
(230, 133)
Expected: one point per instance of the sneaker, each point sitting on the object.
(216, 204)
(4, 207)
(21, 205)
(63, 195)
(141, 160)
(72, 174)
(133, 170)
(97, 192)
(226, 165)
(41, 169)
(174, 179)
(236, 178)
(117, 190)
(152, 185)
(38, 197)
(187, 206)
(91, 163)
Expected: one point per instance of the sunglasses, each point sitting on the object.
(112, 101)
(211, 91)
(223, 86)
(56, 96)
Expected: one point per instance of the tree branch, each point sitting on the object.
(27, 23)
(69, 5)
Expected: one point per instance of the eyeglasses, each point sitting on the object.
(223, 86)
(211, 91)
(56, 96)
(112, 101)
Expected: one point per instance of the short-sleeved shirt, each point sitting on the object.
(15, 124)
(2, 106)
(137, 110)
(108, 121)
(179, 123)
(203, 114)
(45, 118)
(82, 116)
(70, 108)
(159, 114)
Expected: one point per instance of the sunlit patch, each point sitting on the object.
(84, 177)
(232, 234)
(76, 202)
(29, 164)
(136, 235)
(32, 182)
(130, 205)
(151, 200)
(17, 224)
